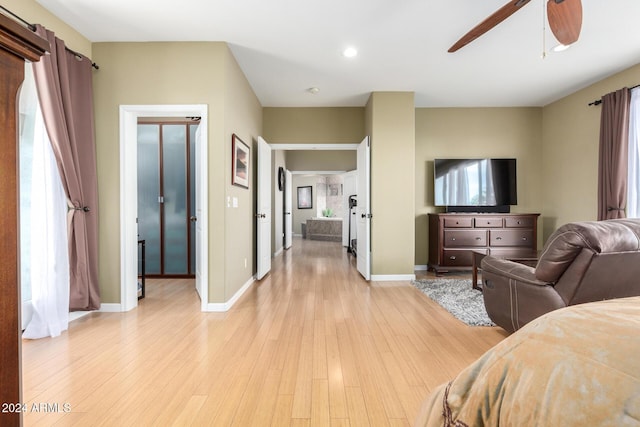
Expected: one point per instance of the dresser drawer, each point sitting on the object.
(457, 258)
(463, 222)
(511, 238)
(519, 221)
(488, 222)
(464, 238)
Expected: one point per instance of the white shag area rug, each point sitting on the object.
(458, 298)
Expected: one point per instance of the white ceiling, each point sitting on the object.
(287, 46)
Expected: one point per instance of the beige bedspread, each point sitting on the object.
(578, 366)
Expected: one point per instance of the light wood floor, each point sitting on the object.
(311, 344)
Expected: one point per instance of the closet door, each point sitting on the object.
(175, 227)
(149, 195)
(165, 197)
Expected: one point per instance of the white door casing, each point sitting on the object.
(288, 209)
(263, 215)
(129, 115)
(201, 226)
(363, 210)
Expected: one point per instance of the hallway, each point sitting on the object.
(311, 344)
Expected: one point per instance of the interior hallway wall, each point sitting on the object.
(391, 125)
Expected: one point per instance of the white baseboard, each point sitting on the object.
(278, 252)
(75, 315)
(421, 268)
(392, 277)
(110, 308)
(226, 306)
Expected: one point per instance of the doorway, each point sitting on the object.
(361, 180)
(129, 116)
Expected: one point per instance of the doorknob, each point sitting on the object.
(193, 218)
(259, 215)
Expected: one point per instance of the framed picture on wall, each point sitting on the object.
(240, 162)
(305, 197)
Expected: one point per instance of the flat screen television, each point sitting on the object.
(475, 185)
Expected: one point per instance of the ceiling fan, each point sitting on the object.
(565, 21)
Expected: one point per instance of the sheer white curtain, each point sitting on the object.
(49, 253)
(633, 180)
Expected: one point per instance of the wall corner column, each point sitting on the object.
(390, 122)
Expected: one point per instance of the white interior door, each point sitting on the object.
(363, 210)
(288, 212)
(263, 215)
(200, 181)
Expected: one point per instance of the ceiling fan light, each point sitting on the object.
(561, 47)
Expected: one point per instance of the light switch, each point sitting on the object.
(235, 202)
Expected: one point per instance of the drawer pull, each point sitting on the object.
(498, 238)
(453, 239)
(478, 238)
(524, 238)
(452, 258)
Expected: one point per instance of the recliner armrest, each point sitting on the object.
(511, 270)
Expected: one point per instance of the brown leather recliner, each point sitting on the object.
(581, 262)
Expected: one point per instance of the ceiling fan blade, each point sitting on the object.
(500, 15)
(565, 19)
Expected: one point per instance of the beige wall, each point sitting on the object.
(313, 125)
(32, 12)
(321, 160)
(335, 125)
(242, 116)
(571, 132)
(557, 146)
(476, 132)
(390, 120)
(177, 73)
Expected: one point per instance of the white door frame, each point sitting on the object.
(129, 115)
(363, 210)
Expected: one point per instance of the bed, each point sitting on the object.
(579, 365)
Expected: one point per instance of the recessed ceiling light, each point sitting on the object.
(350, 52)
(313, 90)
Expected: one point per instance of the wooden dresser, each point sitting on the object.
(452, 237)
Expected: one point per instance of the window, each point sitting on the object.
(633, 180)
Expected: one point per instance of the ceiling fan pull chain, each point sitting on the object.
(544, 31)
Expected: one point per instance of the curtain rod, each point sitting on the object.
(33, 28)
(599, 101)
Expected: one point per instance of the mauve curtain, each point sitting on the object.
(65, 93)
(612, 163)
